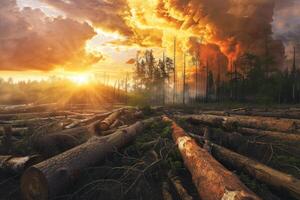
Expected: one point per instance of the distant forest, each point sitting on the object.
(251, 79)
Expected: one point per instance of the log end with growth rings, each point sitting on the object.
(34, 185)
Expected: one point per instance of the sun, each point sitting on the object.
(81, 79)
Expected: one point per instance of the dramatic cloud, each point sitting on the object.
(235, 26)
(228, 27)
(30, 40)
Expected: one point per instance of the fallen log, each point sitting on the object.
(16, 131)
(13, 164)
(49, 178)
(15, 116)
(108, 121)
(275, 114)
(165, 190)
(272, 134)
(27, 108)
(28, 122)
(57, 142)
(261, 172)
(89, 120)
(181, 191)
(211, 179)
(232, 122)
(261, 151)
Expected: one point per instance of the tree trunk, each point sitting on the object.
(14, 116)
(259, 171)
(274, 114)
(15, 131)
(232, 122)
(88, 120)
(108, 121)
(15, 164)
(272, 134)
(181, 191)
(49, 178)
(165, 190)
(211, 179)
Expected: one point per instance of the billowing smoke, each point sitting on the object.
(286, 27)
(29, 40)
(234, 26)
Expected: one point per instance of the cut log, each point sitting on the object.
(165, 190)
(49, 178)
(261, 151)
(275, 114)
(16, 131)
(211, 179)
(232, 122)
(15, 116)
(53, 144)
(89, 120)
(107, 122)
(270, 134)
(181, 191)
(27, 108)
(57, 142)
(15, 164)
(261, 172)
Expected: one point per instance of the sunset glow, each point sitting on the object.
(81, 79)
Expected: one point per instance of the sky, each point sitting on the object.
(42, 38)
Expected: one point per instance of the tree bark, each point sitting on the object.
(274, 114)
(49, 178)
(211, 179)
(232, 122)
(165, 190)
(15, 164)
(272, 134)
(88, 120)
(108, 121)
(14, 116)
(181, 191)
(259, 171)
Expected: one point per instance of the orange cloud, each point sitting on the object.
(32, 41)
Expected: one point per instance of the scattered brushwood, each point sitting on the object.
(218, 183)
(16, 165)
(49, 178)
(232, 122)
